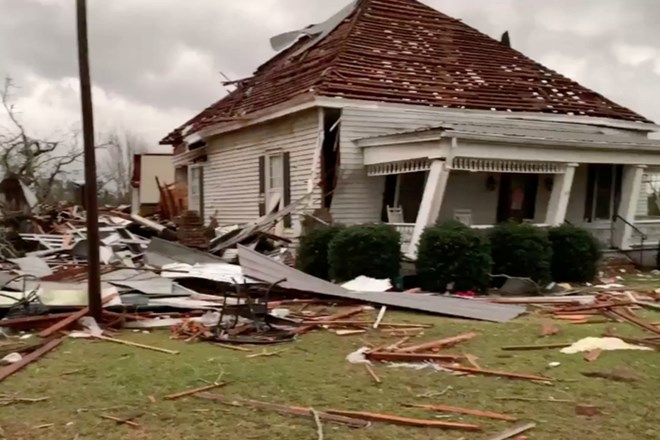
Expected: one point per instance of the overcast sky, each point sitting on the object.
(155, 63)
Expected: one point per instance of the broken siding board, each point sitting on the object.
(231, 175)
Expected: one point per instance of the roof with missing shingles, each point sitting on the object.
(405, 52)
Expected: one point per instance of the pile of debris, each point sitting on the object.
(182, 277)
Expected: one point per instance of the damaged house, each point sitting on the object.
(392, 111)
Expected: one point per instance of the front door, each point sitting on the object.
(517, 198)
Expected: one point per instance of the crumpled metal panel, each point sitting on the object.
(261, 267)
(405, 52)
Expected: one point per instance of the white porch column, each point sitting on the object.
(630, 189)
(429, 210)
(561, 194)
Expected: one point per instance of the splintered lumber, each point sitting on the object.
(412, 357)
(442, 343)
(284, 409)
(535, 347)
(232, 347)
(588, 308)
(130, 423)
(13, 368)
(372, 373)
(71, 319)
(636, 321)
(135, 344)
(361, 323)
(380, 316)
(471, 412)
(404, 421)
(32, 320)
(518, 429)
(181, 394)
(498, 373)
(329, 320)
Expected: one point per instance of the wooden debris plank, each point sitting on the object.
(442, 343)
(135, 344)
(472, 360)
(519, 429)
(467, 411)
(411, 357)
(372, 373)
(332, 319)
(349, 332)
(380, 316)
(593, 355)
(71, 319)
(535, 347)
(405, 421)
(636, 321)
(284, 409)
(181, 394)
(588, 308)
(499, 373)
(232, 347)
(130, 423)
(391, 326)
(26, 360)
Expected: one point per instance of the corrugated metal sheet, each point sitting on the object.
(161, 253)
(259, 266)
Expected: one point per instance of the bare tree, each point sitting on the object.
(37, 162)
(116, 171)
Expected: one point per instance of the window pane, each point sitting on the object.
(276, 172)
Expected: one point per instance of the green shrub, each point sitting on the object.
(370, 250)
(521, 250)
(453, 252)
(575, 254)
(312, 256)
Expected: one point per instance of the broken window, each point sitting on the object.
(274, 184)
(196, 189)
(330, 154)
(603, 192)
(648, 204)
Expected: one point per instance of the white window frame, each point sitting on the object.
(194, 169)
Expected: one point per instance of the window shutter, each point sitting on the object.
(262, 186)
(286, 196)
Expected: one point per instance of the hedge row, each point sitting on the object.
(344, 253)
(452, 255)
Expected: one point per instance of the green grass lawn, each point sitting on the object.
(86, 378)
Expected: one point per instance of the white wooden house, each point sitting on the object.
(391, 111)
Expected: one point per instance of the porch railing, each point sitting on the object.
(406, 230)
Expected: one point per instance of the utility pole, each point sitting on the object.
(91, 201)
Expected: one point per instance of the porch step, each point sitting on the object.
(644, 256)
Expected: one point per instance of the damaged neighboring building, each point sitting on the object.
(392, 111)
(15, 197)
(151, 174)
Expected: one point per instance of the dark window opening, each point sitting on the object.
(517, 198)
(603, 192)
(330, 157)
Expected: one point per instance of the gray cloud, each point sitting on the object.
(155, 62)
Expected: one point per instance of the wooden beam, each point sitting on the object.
(499, 373)
(283, 409)
(175, 396)
(471, 412)
(519, 429)
(441, 343)
(72, 319)
(412, 357)
(372, 373)
(13, 368)
(405, 421)
(135, 344)
(535, 347)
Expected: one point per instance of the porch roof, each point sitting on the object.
(517, 132)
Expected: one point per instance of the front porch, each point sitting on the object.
(481, 183)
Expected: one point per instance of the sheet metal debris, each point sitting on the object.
(260, 267)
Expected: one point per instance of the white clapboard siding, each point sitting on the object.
(358, 198)
(231, 175)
